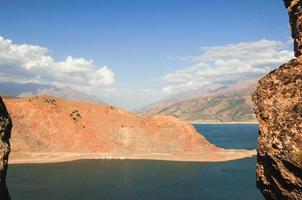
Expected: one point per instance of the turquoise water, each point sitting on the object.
(131, 180)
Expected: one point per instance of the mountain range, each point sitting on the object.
(225, 103)
(216, 103)
(10, 89)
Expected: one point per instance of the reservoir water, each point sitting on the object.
(144, 180)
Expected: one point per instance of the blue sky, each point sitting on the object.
(142, 42)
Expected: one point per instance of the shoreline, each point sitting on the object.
(57, 157)
(214, 122)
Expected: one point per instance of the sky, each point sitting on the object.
(131, 53)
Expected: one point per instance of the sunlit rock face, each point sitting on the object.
(50, 124)
(5, 132)
(70, 130)
(278, 107)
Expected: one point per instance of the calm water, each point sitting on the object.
(131, 180)
(239, 136)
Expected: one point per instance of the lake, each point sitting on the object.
(144, 180)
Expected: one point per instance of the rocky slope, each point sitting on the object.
(278, 106)
(226, 104)
(48, 124)
(5, 132)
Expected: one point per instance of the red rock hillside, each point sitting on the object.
(49, 129)
(52, 124)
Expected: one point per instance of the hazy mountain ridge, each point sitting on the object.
(66, 93)
(16, 90)
(230, 103)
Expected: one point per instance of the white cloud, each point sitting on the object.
(210, 70)
(229, 62)
(30, 63)
(131, 98)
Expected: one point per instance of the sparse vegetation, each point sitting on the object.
(75, 115)
(50, 100)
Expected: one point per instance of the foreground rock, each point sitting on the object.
(294, 8)
(5, 132)
(278, 102)
(45, 126)
(278, 106)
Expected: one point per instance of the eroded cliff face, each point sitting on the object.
(295, 18)
(5, 132)
(278, 107)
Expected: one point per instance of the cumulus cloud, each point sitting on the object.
(228, 63)
(30, 63)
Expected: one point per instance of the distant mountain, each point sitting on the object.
(225, 103)
(11, 89)
(15, 89)
(66, 93)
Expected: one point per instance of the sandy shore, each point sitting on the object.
(51, 157)
(214, 122)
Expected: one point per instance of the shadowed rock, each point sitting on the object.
(278, 107)
(5, 132)
(295, 18)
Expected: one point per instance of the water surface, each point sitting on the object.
(131, 180)
(237, 136)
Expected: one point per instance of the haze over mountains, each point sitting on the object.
(66, 93)
(219, 103)
(34, 89)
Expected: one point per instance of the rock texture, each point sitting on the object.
(295, 16)
(5, 132)
(278, 107)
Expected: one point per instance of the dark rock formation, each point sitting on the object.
(5, 131)
(295, 18)
(278, 107)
